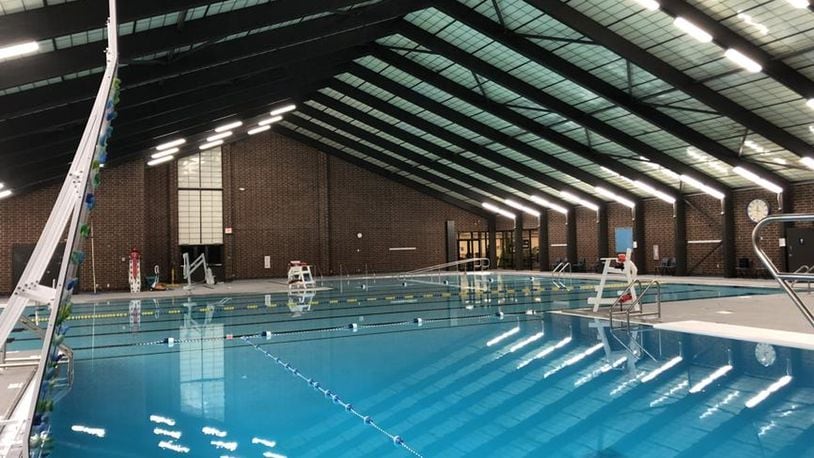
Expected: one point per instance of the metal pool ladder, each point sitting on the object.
(785, 279)
(634, 308)
(559, 271)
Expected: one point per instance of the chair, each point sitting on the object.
(579, 266)
(556, 262)
(661, 269)
(744, 267)
(671, 267)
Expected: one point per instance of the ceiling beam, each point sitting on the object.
(154, 99)
(73, 17)
(420, 159)
(415, 140)
(304, 139)
(447, 136)
(513, 117)
(726, 38)
(57, 63)
(669, 74)
(544, 99)
(156, 82)
(600, 87)
(476, 189)
(485, 130)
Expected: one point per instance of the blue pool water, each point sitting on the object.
(490, 374)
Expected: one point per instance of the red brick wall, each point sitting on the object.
(659, 229)
(388, 215)
(744, 227)
(118, 221)
(704, 223)
(586, 235)
(556, 235)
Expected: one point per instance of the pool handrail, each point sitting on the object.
(558, 271)
(484, 264)
(783, 278)
(628, 309)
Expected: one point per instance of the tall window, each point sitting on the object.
(200, 199)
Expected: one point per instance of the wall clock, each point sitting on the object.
(757, 210)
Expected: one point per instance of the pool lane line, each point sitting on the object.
(254, 306)
(396, 439)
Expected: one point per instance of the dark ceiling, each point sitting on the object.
(468, 100)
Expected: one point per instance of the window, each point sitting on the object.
(200, 199)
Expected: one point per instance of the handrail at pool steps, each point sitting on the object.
(477, 264)
(560, 270)
(803, 269)
(634, 308)
(783, 278)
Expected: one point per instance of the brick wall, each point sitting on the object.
(587, 235)
(744, 227)
(556, 235)
(118, 221)
(659, 229)
(704, 223)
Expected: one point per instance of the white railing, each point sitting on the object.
(785, 279)
(559, 271)
(478, 264)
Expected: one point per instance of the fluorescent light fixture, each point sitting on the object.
(692, 30)
(257, 130)
(171, 144)
(718, 373)
(744, 61)
(573, 198)
(613, 196)
(521, 207)
(283, 109)
(798, 3)
(267, 121)
(230, 126)
(4, 194)
(651, 5)
(764, 183)
(160, 160)
(19, 49)
(649, 189)
(1, 185)
(662, 369)
(499, 210)
(810, 103)
(218, 136)
(806, 161)
(547, 204)
(702, 187)
(210, 145)
(780, 161)
(166, 152)
(763, 394)
(503, 336)
(754, 146)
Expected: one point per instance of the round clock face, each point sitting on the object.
(757, 210)
(765, 354)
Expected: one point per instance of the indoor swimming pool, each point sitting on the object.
(421, 368)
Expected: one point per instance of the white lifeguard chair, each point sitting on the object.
(629, 272)
(299, 275)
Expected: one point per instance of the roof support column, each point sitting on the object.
(542, 240)
(680, 236)
(491, 226)
(602, 248)
(571, 235)
(639, 242)
(518, 242)
(728, 235)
